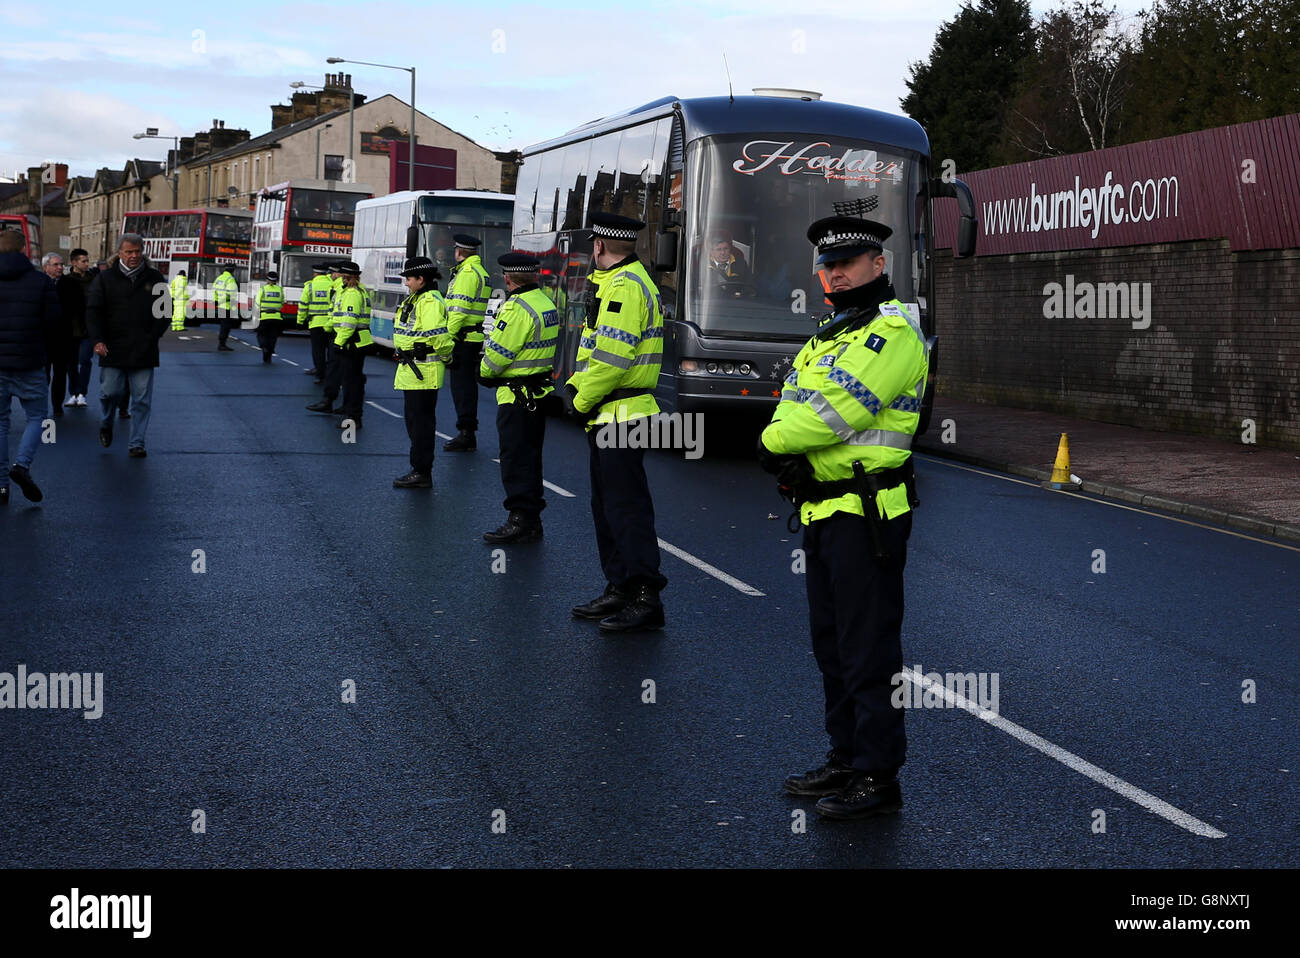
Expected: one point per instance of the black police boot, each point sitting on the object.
(324, 405)
(865, 795)
(266, 357)
(827, 780)
(643, 612)
(464, 442)
(23, 480)
(519, 527)
(223, 348)
(414, 480)
(606, 604)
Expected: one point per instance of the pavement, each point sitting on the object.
(1244, 486)
(325, 671)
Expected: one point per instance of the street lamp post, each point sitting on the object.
(151, 133)
(317, 169)
(410, 166)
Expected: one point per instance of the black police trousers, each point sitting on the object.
(228, 318)
(351, 365)
(319, 338)
(268, 331)
(624, 517)
(463, 382)
(855, 609)
(333, 371)
(521, 433)
(419, 407)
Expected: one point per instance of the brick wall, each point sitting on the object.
(1223, 342)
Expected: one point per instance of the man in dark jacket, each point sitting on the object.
(29, 311)
(128, 308)
(72, 291)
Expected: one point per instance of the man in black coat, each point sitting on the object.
(29, 312)
(128, 308)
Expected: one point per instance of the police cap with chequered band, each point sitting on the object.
(421, 266)
(348, 269)
(518, 262)
(843, 237)
(321, 268)
(465, 241)
(615, 227)
(272, 275)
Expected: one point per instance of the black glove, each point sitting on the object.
(767, 459)
(793, 471)
(567, 395)
(452, 361)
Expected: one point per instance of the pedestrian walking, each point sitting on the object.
(72, 300)
(840, 444)
(128, 310)
(29, 312)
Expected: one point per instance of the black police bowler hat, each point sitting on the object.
(421, 266)
(843, 237)
(272, 275)
(465, 241)
(518, 262)
(348, 269)
(613, 226)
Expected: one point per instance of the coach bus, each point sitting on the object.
(29, 226)
(300, 223)
(735, 180)
(203, 242)
(422, 223)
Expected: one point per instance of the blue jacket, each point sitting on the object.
(29, 314)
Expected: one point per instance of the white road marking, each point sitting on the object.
(383, 410)
(443, 435)
(289, 361)
(1114, 505)
(710, 569)
(549, 485)
(1069, 759)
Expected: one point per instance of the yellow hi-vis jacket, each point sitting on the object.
(314, 305)
(180, 299)
(622, 345)
(855, 396)
(351, 321)
(467, 299)
(522, 342)
(422, 318)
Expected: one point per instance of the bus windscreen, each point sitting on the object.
(753, 197)
(322, 216)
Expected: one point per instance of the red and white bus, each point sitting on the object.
(298, 224)
(202, 242)
(29, 226)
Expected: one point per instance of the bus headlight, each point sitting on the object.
(688, 367)
(712, 367)
(728, 368)
(745, 369)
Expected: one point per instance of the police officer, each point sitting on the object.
(840, 445)
(617, 367)
(422, 344)
(332, 374)
(518, 356)
(351, 325)
(270, 304)
(314, 313)
(225, 293)
(180, 298)
(467, 299)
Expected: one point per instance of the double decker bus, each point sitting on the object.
(298, 224)
(29, 226)
(734, 180)
(204, 243)
(392, 228)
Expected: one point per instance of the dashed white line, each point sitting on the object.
(289, 361)
(1070, 760)
(388, 412)
(549, 485)
(712, 570)
(443, 435)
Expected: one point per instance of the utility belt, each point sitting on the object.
(413, 358)
(864, 485)
(523, 386)
(615, 395)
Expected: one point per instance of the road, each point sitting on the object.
(479, 700)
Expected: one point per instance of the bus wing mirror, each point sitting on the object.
(666, 252)
(967, 223)
(412, 240)
(671, 218)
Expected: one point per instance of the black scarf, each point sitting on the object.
(856, 306)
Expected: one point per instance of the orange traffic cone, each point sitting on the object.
(1061, 477)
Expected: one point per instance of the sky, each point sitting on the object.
(79, 84)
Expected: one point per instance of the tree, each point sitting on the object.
(1073, 85)
(960, 93)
